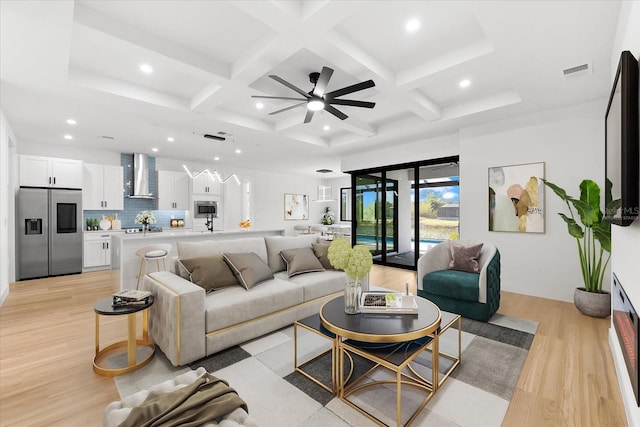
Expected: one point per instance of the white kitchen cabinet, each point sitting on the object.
(203, 184)
(97, 251)
(102, 187)
(37, 171)
(173, 190)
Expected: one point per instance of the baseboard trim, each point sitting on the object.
(4, 295)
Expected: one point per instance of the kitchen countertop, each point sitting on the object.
(187, 232)
(125, 264)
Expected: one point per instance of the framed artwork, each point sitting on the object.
(345, 204)
(516, 198)
(296, 206)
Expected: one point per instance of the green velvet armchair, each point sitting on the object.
(472, 295)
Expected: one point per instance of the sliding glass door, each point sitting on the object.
(401, 211)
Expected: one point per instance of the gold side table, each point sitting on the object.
(104, 308)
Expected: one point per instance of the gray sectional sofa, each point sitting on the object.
(188, 323)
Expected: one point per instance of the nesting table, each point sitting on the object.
(390, 341)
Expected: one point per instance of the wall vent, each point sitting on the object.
(576, 71)
(216, 137)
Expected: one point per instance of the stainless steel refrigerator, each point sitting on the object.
(49, 232)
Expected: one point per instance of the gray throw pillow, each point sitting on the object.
(465, 258)
(321, 251)
(248, 268)
(209, 272)
(300, 260)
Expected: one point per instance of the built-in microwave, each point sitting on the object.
(204, 208)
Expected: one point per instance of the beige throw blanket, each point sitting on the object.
(207, 399)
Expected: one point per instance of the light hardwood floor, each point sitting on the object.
(47, 345)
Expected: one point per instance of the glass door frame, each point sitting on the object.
(416, 204)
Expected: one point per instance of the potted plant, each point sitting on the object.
(328, 217)
(145, 218)
(593, 235)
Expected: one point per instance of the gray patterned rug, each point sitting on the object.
(262, 372)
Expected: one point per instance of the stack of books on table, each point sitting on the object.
(128, 297)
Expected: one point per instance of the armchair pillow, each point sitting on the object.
(300, 260)
(464, 258)
(248, 268)
(209, 272)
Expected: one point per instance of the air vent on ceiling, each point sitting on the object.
(576, 71)
(216, 137)
(107, 137)
(324, 171)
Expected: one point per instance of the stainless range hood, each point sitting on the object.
(141, 177)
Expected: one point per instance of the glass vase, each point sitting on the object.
(352, 297)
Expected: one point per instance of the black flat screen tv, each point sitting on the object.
(622, 154)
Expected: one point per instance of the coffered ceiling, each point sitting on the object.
(81, 59)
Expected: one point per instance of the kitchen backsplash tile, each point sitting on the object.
(133, 206)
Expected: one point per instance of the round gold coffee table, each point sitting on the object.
(390, 341)
(104, 308)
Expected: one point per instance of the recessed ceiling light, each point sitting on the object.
(146, 68)
(154, 149)
(465, 83)
(238, 151)
(216, 158)
(326, 127)
(170, 139)
(259, 105)
(71, 121)
(68, 136)
(412, 25)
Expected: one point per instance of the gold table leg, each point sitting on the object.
(131, 344)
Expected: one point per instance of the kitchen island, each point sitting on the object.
(126, 264)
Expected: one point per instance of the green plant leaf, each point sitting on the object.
(588, 215)
(560, 192)
(590, 194)
(573, 227)
(602, 233)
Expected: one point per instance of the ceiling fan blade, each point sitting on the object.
(339, 114)
(290, 86)
(278, 97)
(352, 103)
(288, 108)
(323, 81)
(349, 89)
(309, 116)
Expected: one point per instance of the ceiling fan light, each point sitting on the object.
(315, 105)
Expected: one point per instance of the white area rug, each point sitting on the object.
(262, 373)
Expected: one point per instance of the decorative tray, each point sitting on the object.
(388, 303)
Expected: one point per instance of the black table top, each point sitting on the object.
(375, 327)
(105, 308)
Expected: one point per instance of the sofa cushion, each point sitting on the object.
(300, 260)
(464, 258)
(248, 268)
(233, 305)
(321, 251)
(211, 247)
(277, 244)
(210, 272)
(454, 284)
(317, 284)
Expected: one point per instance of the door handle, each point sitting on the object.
(54, 179)
(102, 245)
(107, 243)
(49, 180)
(105, 204)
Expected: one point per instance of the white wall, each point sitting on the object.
(7, 192)
(570, 143)
(626, 240)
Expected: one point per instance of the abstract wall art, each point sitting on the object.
(296, 206)
(516, 198)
